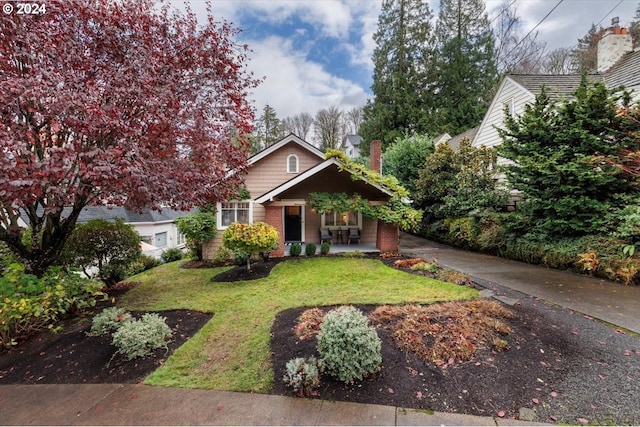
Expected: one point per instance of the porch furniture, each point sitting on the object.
(325, 235)
(339, 236)
(354, 234)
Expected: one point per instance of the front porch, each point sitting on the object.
(339, 248)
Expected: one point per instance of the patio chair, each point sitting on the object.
(325, 235)
(354, 234)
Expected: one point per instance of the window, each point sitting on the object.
(181, 239)
(292, 163)
(230, 212)
(160, 240)
(342, 219)
(509, 106)
(147, 239)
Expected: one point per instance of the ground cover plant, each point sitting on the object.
(554, 363)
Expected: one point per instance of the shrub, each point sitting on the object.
(348, 345)
(29, 304)
(250, 238)
(303, 375)
(197, 228)
(142, 263)
(172, 254)
(354, 254)
(139, 338)
(425, 266)
(309, 323)
(109, 247)
(108, 321)
(222, 256)
(310, 249)
(295, 249)
(325, 247)
(241, 258)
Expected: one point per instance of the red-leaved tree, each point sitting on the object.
(114, 102)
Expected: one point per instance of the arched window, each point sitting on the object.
(292, 163)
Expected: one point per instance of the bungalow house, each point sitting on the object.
(618, 65)
(280, 178)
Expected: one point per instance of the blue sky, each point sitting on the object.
(315, 54)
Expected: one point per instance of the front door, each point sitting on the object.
(293, 223)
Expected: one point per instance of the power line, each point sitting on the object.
(609, 13)
(533, 29)
(502, 11)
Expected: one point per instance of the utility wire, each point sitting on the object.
(609, 13)
(533, 29)
(502, 11)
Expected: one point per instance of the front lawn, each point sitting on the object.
(232, 351)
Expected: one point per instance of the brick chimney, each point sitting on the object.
(615, 43)
(375, 156)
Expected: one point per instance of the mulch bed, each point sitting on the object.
(563, 366)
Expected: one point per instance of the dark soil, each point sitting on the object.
(258, 270)
(566, 367)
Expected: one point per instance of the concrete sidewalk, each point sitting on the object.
(605, 300)
(135, 404)
(130, 404)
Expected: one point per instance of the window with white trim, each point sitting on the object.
(292, 163)
(230, 212)
(342, 219)
(509, 106)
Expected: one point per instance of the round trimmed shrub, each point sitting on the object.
(171, 254)
(324, 248)
(140, 337)
(310, 249)
(295, 250)
(348, 345)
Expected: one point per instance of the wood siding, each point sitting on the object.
(509, 90)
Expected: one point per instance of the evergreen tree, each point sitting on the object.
(634, 28)
(269, 129)
(467, 73)
(406, 158)
(585, 55)
(403, 75)
(558, 154)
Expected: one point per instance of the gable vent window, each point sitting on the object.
(292, 163)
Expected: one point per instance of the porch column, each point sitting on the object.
(273, 216)
(387, 238)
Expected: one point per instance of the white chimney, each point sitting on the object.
(613, 46)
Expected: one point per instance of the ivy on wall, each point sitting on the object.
(395, 211)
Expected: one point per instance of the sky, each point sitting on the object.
(315, 54)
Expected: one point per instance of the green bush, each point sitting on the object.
(325, 247)
(348, 345)
(241, 258)
(295, 249)
(29, 304)
(6, 256)
(251, 239)
(310, 249)
(171, 254)
(197, 228)
(222, 256)
(303, 375)
(108, 321)
(139, 338)
(142, 263)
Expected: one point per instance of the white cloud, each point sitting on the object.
(295, 84)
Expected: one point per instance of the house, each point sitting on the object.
(351, 145)
(618, 65)
(279, 180)
(157, 229)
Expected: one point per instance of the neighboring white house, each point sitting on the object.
(352, 145)
(157, 229)
(618, 65)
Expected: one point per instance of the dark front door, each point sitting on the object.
(293, 223)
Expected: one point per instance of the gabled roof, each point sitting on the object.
(110, 213)
(354, 140)
(441, 139)
(308, 174)
(470, 134)
(624, 72)
(291, 138)
(558, 86)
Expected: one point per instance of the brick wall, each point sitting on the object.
(375, 153)
(273, 216)
(387, 239)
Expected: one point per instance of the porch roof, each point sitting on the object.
(322, 177)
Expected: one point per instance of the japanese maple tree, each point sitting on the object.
(125, 103)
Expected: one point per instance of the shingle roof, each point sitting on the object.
(355, 140)
(112, 212)
(454, 142)
(625, 72)
(558, 86)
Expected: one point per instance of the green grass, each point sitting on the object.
(231, 352)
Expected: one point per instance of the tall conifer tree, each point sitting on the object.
(402, 76)
(467, 72)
